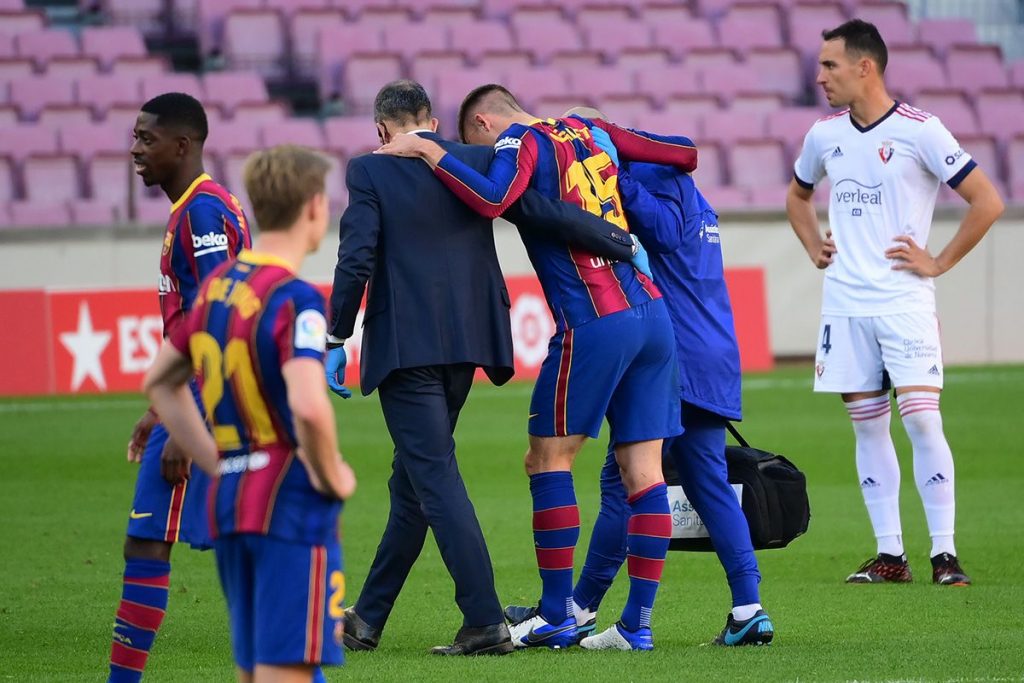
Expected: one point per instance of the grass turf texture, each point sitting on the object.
(65, 491)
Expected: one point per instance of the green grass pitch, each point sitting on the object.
(65, 490)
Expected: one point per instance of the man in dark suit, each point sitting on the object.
(437, 309)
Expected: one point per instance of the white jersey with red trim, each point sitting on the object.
(884, 181)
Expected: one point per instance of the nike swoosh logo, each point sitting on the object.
(534, 637)
(733, 638)
(139, 515)
(533, 415)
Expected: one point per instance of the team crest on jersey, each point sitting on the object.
(168, 238)
(885, 152)
(819, 369)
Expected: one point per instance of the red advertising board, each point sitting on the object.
(95, 341)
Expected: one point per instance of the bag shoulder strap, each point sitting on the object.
(736, 434)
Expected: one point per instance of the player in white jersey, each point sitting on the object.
(885, 160)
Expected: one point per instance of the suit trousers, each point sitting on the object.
(421, 407)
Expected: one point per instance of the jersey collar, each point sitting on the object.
(258, 258)
(203, 177)
(865, 129)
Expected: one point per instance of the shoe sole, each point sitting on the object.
(352, 643)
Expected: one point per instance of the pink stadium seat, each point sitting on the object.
(58, 116)
(713, 8)
(51, 178)
(408, 40)
(122, 117)
(363, 76)
(543, 39)
(12, 5)
(173, 82)
(42, 46)
(752, 25)
(556, 105)
(351, 135)
(626, 110)
(602, 83)
(385, 17)
(337, 43)
(108, 43)
(254, 39)
(710, 165)
(110, 177)
(8, 189)
(590, 12)
(727, 126)
(6, 46)
(912, 69)
(211, 16)
(500, 9)
(479, 37)
(426, 68)
(753, 163)
(941, 34)
(238, 136)
(93, 212)
(976, 67)
(680, 39)
(755, 102)
(1015, 165)
(337, 192)
(952, 107)
(777, 70)
(16, 23)
(304, 26)
(533, 84)
(34, 215)
(807, 20)
(151, 211)
(72, 67)
(20, 141)
(259, 113)
(453, 87)
(504, 62)
(726, 197)
(103, 92)
(729, 80)
(448, 14)
(139, 67)
(86, 140)
(660, 12)
(1000, 112)
(571, 60)
(768, 197)
(293, 132)
(891, 18)
(1017, 73)
(790, 124)
(31, 94)
(8, 115)
(290, 8)
(691, 106)
(984, 149)
(644, 58)
(228, 89)
(612, 37)
(356, 7)
(12, 70)
(146, 15)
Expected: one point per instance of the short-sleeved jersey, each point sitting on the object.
(884, 181)
(251, 317)
(207, 227)
(558, 158)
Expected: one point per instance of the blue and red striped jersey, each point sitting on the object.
(207, 227)
(558, 157)
(251, 317)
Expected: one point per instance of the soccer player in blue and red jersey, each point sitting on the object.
(206, 228)
(256, 339)
(679, 227)
(612, 353)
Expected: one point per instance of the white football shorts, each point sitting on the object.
(882, 352)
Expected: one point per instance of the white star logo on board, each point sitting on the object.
(86, 346)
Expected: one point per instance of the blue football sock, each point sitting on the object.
(650, 528)
(607, 549)
(556, 530)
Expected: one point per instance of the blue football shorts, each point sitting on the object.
(161, 512)
(621, 366)
(285, 600)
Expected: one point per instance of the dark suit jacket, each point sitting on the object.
(436, 293)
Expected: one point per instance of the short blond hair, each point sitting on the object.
(279, 182)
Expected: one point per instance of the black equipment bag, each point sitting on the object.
(773, 495)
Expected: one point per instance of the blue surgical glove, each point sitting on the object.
(604, 141)
(334, 368)
(640, 260)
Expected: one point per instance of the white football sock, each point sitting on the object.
(933, 465)
(744, 612)
(878, 470)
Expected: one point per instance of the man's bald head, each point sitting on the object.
(491, 100)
